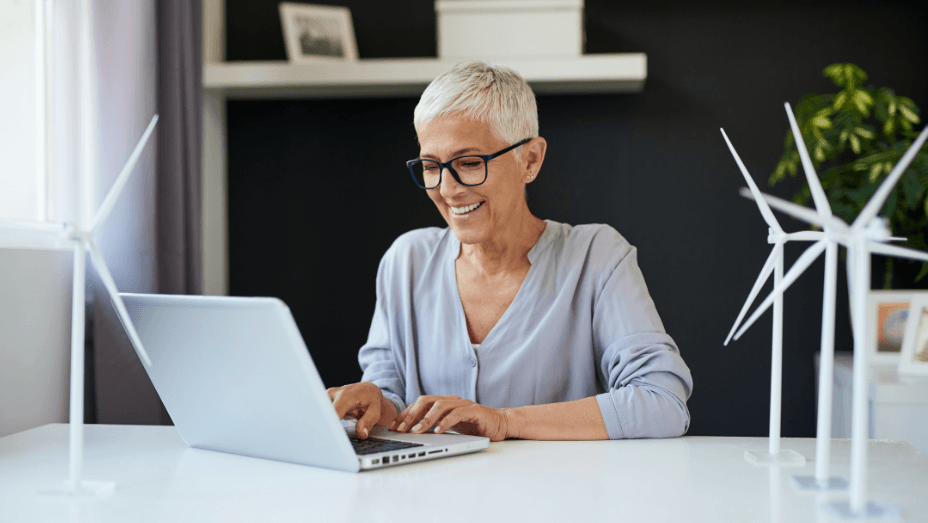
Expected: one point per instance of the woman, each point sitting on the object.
(505, 325)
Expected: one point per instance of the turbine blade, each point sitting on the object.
(801, 265)
(815, 185)
(761, 204)
(879, 198)
(805, 236)
(799, 212)
(123, 177)
(897, 251)
(97, 258)
(761, 280)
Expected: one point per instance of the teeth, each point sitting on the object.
(464, 210)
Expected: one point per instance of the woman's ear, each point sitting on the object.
(533, 155)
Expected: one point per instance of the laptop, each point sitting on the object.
(235, 375)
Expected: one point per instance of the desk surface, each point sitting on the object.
(692, 479)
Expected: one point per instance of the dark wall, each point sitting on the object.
(318, 189)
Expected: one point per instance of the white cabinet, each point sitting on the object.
(898, 404)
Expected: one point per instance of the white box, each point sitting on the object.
(509, 28)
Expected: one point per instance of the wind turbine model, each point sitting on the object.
(776, 236)
(868, 234)
(80, 238)
(66, 236)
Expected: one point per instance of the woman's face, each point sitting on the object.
(498, 199)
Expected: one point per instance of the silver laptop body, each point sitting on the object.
(235, 376)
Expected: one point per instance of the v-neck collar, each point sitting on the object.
(452, 253)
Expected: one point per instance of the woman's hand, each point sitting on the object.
(452, 412)
(365, 402)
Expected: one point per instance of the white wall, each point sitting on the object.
(35, 323)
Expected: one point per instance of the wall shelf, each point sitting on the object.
(598, 73)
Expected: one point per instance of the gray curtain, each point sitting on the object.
(180, 104)
(168, 210)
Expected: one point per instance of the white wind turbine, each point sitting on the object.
(80, 238)
(774, 455)
(67, 236)
(868, 234)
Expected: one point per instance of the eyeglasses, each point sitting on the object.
(467, 170)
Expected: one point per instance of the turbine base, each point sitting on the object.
(842, 510)
(86, 490)
(811, 483)
(763, 458)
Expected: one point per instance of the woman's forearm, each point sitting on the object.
(570, 420)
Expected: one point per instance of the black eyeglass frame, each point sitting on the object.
(443, 165)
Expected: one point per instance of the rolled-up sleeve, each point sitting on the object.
(647, 383)
(378, 360)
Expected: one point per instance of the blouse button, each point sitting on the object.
(473, 362)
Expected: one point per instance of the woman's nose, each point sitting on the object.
(449, 185)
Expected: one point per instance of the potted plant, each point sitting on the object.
(855, 137)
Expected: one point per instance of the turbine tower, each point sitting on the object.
(774, 455)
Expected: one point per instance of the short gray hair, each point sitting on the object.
(489, 93)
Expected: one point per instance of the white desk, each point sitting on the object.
(687, 479)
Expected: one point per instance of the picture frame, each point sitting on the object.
(913, 359)
(318, 33)
(887, 312)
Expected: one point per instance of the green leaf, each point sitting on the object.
(864, 96)
(864, 133)
(820, 122)
(840, 100)
(889, 126)
(912, 189)
(908, 114)
(855, 144)
(875, 171)
(922, 273)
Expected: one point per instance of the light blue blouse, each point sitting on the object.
(581, 325)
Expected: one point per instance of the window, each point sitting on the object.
(23, 102)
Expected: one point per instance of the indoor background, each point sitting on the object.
(318, 189)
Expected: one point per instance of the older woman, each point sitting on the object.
(503, 324)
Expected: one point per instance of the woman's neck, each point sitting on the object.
(506, 252)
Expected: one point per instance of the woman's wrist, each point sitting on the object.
(511, 422)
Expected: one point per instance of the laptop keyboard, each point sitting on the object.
(375, 445)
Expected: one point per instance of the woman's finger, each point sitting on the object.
(367, 421)
(352, 401)
(332, 391)
(404, 422)
(486, 421)
(438, 411)
(464, 414)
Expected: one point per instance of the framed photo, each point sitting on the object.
(318, 33)
(914, 357)
(887, 313)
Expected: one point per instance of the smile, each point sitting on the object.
(466, 209)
